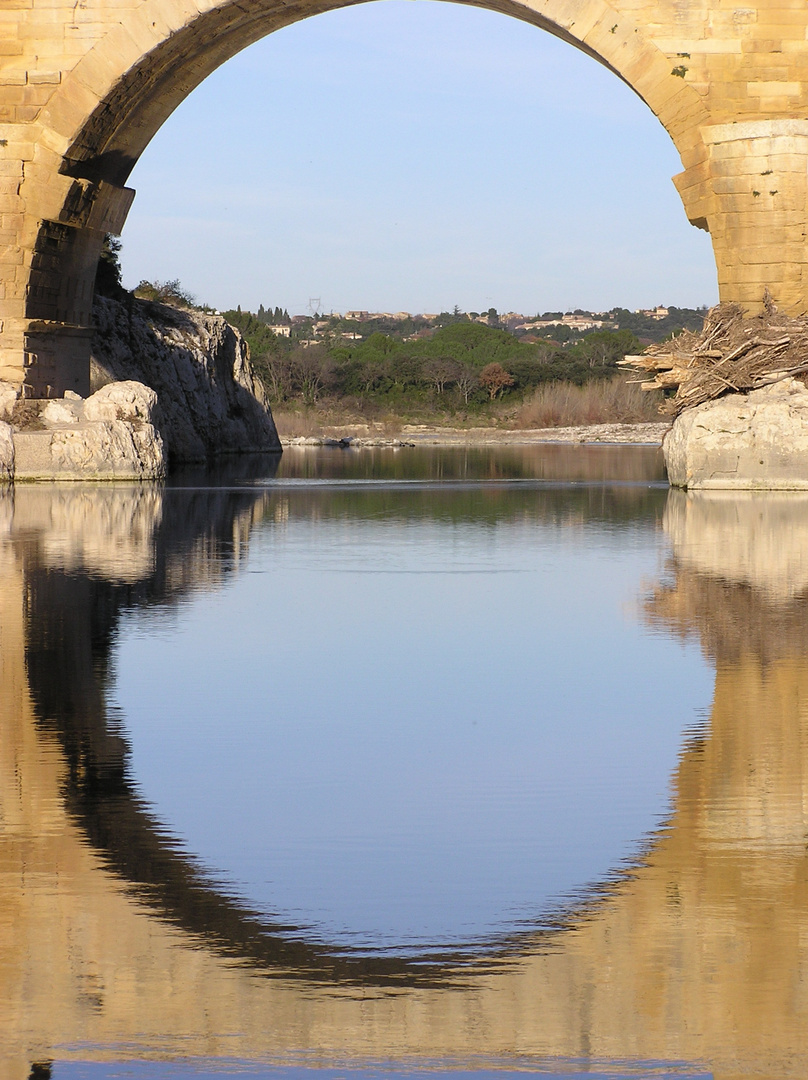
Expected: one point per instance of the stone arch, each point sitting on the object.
(120, 93)
(105, 111)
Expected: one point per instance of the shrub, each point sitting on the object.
(561, 404)
(165, 292)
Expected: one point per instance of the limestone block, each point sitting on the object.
(127, 400)
(6, 454)
(57, 411)
(100, 450)
(114, 449)
(8, 398)
(754, 441)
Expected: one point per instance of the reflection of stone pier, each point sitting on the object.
(755, 539)
(741, 583)
(110, 937)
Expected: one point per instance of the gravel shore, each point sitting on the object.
(423, 435)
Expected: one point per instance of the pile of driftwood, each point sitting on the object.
(730, 353)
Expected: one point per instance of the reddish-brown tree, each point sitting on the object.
(495, 379)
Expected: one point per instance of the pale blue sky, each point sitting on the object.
(399, 155)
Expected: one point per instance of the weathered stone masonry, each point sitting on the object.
(85, 85)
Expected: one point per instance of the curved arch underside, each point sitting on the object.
(137, 100)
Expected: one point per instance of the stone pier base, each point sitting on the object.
(109, 436)
(755, 441)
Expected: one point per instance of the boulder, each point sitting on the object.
(6, 453)
(211, 401)
(109, 449)
(754, 441)
(110, 436)
(101, 450)
(58, 411)
(9, 393)
(128, 400)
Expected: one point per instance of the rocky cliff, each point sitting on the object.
(209, 399)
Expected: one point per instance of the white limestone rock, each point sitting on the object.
(115, 449)
(9, 393)
(113, 435)
(6, 453)
(108, 449)
(127, 400)
(210, 398)
(57, 411)
(754, 441)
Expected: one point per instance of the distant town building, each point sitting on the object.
(653, 313)
(581, 322)
(368, 316)
(574, 322)
(281, 330)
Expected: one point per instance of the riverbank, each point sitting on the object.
(646, 434)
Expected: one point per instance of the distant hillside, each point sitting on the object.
(454, 361)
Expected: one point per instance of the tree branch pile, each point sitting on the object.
(732, 353)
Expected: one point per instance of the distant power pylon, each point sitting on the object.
(315, 303)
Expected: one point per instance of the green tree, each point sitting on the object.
(475, 343)
(603, 348)
(108, 275)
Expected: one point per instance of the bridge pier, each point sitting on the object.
(49, 277)
(750, 190)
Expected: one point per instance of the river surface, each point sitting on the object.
(381, 763)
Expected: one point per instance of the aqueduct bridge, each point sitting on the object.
(85, 85)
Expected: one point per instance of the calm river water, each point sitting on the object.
(364, 764)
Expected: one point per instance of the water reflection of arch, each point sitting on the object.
(699, 952)
(195, 539)
(71, 621)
